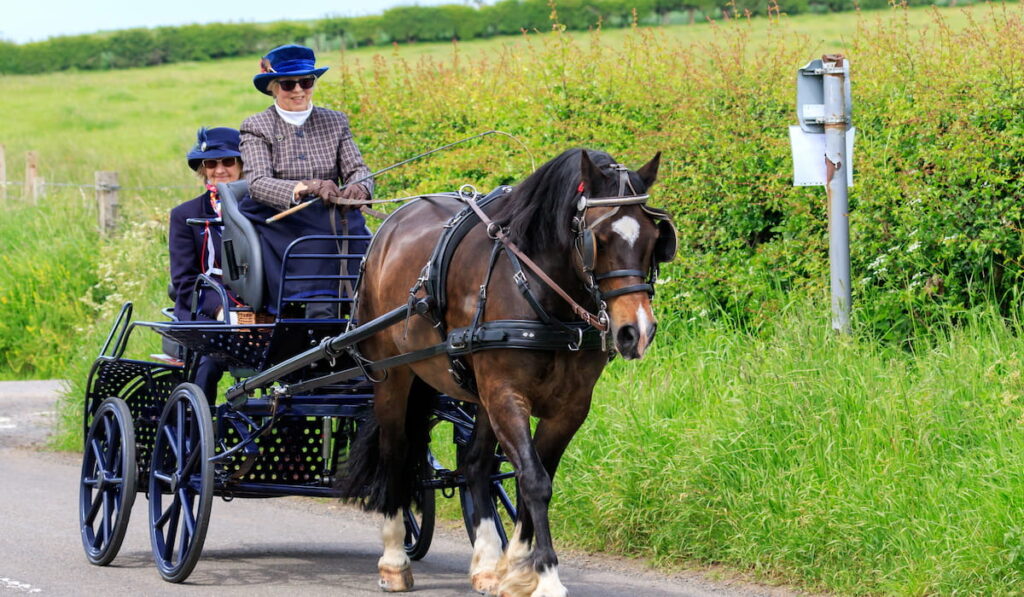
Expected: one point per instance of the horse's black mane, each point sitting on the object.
(539, 212)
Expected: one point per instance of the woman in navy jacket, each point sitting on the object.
(195, 250)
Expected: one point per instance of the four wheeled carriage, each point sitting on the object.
(283, 429)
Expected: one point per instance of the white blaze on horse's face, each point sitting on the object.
(628, 228)
(627, 245)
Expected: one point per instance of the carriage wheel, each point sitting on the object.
(108, 486)
(502, 503)
(419, 523)
(181, 482)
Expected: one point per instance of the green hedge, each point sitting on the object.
(936, 215)
(146, 47)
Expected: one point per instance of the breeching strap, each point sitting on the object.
(495, 231)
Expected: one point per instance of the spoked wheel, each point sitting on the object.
(108, 486)
(419, 523)
(502, 503)
(181, 483)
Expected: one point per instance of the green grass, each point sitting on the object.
(793, 452)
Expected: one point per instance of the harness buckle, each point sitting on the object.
(493, 231)
(520, 279)
(579, 341)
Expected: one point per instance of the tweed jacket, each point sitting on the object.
(275, 154)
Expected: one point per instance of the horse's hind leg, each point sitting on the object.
(394, 490)
(476, 468)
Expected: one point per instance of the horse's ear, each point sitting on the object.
(590, 175)
(649, 171)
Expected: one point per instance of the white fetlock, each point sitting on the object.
(549, 585)
(486, 553)
(515, 554)
(394, 566)
(518, 581)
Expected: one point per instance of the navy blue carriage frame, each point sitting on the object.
(253, 444)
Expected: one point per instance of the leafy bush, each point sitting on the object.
(936, 218)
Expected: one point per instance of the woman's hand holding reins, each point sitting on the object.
(324, 189)
(352, 196)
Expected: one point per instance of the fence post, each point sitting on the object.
(106, 199)
(31, 173)
(3, 173)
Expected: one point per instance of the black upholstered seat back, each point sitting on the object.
(241, 251)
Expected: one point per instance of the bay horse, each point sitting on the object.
(602, 254)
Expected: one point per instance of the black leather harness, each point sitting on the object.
(428, 297)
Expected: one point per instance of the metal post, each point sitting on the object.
(836, 165)
(106, 199)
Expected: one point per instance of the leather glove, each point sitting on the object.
(353, 193)
(324, 189)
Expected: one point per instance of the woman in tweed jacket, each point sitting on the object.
(294, 150)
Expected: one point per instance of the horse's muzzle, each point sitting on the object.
(630, 343)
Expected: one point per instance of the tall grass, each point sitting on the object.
(47, 277)
(794, 453)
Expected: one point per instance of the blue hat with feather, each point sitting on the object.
(220, 142)
(286, 61)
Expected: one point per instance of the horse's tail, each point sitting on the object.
(387, 487)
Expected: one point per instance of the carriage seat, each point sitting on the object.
(241, 251)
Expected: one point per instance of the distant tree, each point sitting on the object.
(366, 31)
(407, 23)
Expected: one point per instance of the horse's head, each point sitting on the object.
(620, 241)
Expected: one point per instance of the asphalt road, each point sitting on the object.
(254, 546)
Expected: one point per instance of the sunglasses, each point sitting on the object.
(289, 84)
(227, 163)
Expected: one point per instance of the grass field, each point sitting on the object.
(784, 452)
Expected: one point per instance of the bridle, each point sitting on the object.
(586, 247)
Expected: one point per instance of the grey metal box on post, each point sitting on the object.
(810, 94)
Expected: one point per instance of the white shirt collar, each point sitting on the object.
(295, 118)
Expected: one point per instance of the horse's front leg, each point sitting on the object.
(530, 573)
(550, 441)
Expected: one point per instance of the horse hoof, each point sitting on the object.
(395, 580)
(485, 583)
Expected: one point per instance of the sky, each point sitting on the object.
(34, 20)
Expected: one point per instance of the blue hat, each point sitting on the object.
(286, 61)
(220, 142)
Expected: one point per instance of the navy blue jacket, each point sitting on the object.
(189, 247)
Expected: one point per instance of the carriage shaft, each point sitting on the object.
(328, 348)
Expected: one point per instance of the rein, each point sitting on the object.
(600, 322)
